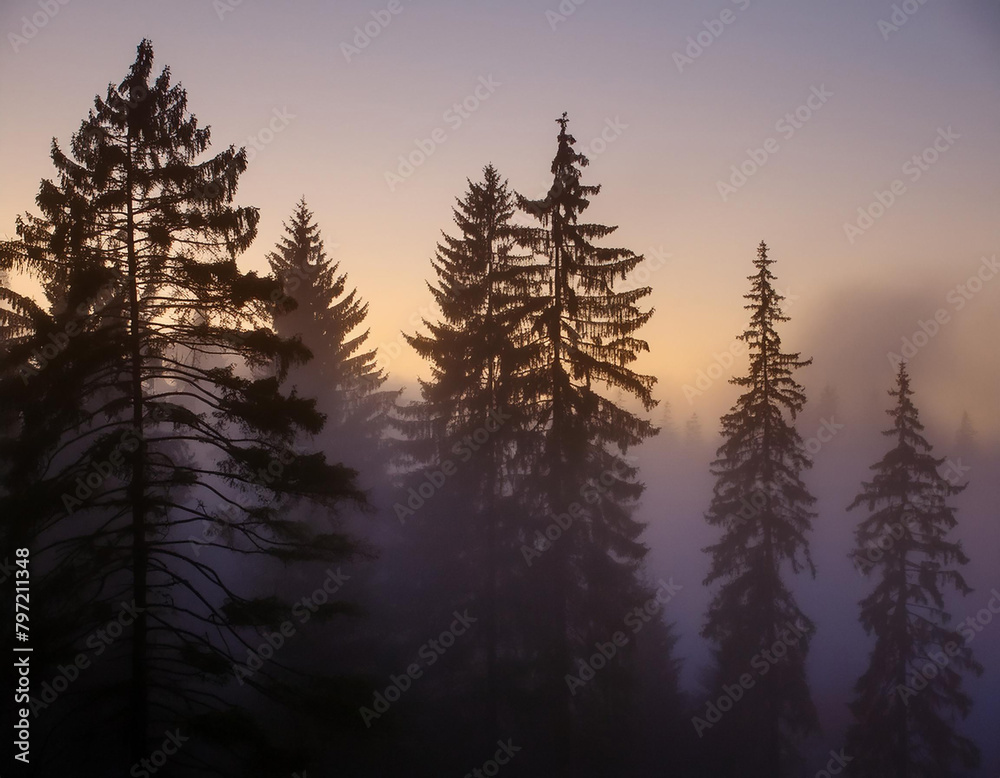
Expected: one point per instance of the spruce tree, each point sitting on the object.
(909, 698)
(692, 432)
(762, 506)
(471, 414)
(586, 343)
(127, 452)
(328, 318)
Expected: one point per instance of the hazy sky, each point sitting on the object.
(678, 126)
(836, 106)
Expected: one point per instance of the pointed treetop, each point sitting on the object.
(762, 258)
(902, 376)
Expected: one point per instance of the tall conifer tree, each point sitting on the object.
(910, 696)
(471, 411)
(586, 344)
(149, 448)
(762, 506)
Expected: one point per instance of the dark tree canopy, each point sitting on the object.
(244, 542)
(151, 461)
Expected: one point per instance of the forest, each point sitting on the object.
(235, 547)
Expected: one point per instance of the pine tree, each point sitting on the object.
(692, 432)
(966, 440)
(125, 449)
(586, 335)
(328, 317)
(762, 506)
(668, 429)
(910, 696)
(470, 410)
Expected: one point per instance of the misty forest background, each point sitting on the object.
(313, 571)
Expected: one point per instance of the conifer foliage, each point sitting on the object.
(190, 452)
(470, 414)
(150, 460)
(585, 344)
(909, 698)
(328, 318)
(762, 506)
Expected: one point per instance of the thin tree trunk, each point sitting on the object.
(564, 718)
(139, 691)
(773, 693)
(903, 638)
(492, 690)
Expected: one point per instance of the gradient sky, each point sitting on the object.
(681, 131)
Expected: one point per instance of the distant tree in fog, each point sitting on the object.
(692, 432)
(966, 439)
(329, 318)
(908, 699)
(762, 506)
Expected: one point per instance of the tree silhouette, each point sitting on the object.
(908, 698)
(762, 506)
(586, 336)
(169, 416)
(692, 432)
(327, 317)
(966, 440)
(470, 414)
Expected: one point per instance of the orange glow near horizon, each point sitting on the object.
(700, 157)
